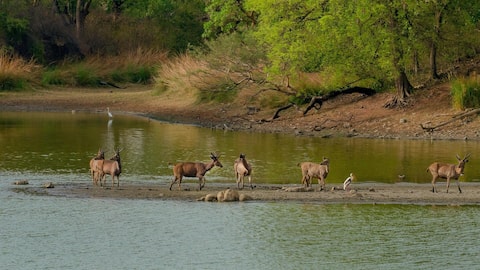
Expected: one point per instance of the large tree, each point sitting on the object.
(367, 39)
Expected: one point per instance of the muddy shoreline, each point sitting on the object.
(363, 193)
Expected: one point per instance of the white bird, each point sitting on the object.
(348, 181)
(109, 113)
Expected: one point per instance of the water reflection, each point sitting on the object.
(64, 143)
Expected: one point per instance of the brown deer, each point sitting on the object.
(314, 170)
(447, 171)
(113, 167)
(96, 165)
(242, 168)
(194, 169)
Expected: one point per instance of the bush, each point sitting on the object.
(466, 93)
(53, 77)
(86, 77)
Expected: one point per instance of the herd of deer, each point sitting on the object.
(99, 168)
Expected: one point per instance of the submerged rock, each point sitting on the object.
(21, 182)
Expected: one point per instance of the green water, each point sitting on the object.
(64, 142)
(46, 232)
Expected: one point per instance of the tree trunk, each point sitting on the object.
(433, 46)
(81, 12)
(404, 88)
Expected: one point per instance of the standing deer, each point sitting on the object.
(242, 168)
(447, 171)
(194, 169)
(96, 165)
(113, 167)
(314, 170)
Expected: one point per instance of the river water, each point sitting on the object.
(43, 232)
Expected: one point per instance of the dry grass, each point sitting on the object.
(185, 76)
(139, 57)
(17, 68)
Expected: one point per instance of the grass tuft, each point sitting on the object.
(466, 93)
(15, 73)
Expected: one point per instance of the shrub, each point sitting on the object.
(53, 77)
(85, 77)
(466, 93)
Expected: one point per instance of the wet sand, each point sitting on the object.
(363, 193)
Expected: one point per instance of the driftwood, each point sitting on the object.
(454, 118)
(317, 101)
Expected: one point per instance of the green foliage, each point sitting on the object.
(52, 77)
(133, 74)
(11, 83)
(180, 22)
(85, 76)
(227, 17)
(466, 93)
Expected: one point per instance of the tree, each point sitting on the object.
(228, 16)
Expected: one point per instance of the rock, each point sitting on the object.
(244, 197)
(48, 185)
(298, 189)
(220, 195)
(21, 182)
(210, 197)
(230, 195)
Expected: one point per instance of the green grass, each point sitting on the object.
(466, 93)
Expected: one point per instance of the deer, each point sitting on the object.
(447, 171)
(242, 168)
(113, 167)
(96, 165)
(315, 170)
(194, 169)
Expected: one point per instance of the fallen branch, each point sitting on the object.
(454, 118)
(275, 116)
(317, 101)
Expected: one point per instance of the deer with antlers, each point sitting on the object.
(194, 169)
(447, 171)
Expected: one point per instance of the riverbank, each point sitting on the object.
(349, 116)
(364, 193)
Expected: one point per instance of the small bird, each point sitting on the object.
(109, 113)
(348, 181)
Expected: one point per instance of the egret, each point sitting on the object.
(109, 113)
(348, 181)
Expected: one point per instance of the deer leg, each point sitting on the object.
(118, 180)
(173, 182)
(306, 181)
(321, 183)
(434, 190)
(201, 182)
(458, 185)
(448, 183)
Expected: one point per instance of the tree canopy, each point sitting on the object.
(380, 41)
